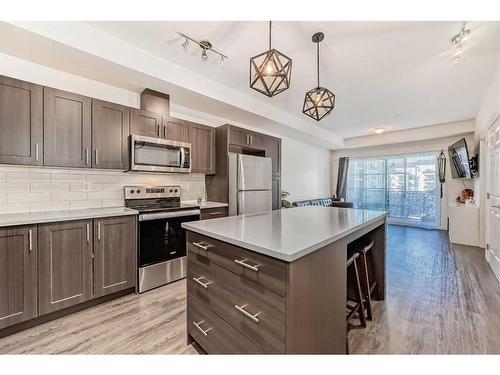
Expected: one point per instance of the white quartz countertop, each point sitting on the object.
(206, 204)
(287, 234)
(7, 220)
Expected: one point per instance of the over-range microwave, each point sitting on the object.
(148, 154)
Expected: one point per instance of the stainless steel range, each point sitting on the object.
(161, 239)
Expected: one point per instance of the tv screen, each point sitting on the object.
(459, 160)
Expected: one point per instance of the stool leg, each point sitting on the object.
(365, 285)
(361, 310)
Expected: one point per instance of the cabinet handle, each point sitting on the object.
(87, 156)
(201, 246)
(30, 240)
(98, 230)
(242, 263)
(96, 156)
(248, 139)
(242, 310)
(251, 139)
(216, 213)
(164, 132)
(198, 281)
(88, 232)
(197, 325)
(158, 130)
(36, 151)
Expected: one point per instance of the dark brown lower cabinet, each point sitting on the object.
(114, 254)
(213, 213)
(18, 275)
(65, 265)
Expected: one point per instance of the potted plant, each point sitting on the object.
(284, 202)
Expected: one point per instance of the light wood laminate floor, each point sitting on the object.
(440, 299)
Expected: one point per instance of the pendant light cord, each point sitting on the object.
(317, 59)
(270, 22)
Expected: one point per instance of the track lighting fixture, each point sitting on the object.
(205, 46)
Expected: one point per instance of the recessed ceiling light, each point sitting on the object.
(379, 130)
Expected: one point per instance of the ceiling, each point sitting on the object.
(398, 75)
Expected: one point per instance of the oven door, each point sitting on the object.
(159, 155)
(161, 236)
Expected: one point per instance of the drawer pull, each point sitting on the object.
(202, 245)
(216, 213)
(242, 263)
(198, 281)
(242, 310)
(197, 325)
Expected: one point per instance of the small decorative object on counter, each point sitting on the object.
(441, 163)
(466, 195)
(284, 202)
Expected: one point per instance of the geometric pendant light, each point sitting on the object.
(270, 71)
(318, 102)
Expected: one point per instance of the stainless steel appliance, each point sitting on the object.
(161, 239)
(250, 184)
(149, 154)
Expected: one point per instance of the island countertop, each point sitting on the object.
(287, 234)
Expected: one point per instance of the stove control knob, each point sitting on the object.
(171, 190)
(131, 192)
(138, 191)
(176, 190)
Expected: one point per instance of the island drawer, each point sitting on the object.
(213, 213)
(213, 333)
(262, 270)
(254, 311)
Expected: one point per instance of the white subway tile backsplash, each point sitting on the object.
(47, 186)
(10, 208)
(112, 203)
(102, 195)
(27, 197)
(26, 176)
(68, 196)
(15, 186)
(49, 206)
(68, 177)
(25, 189)
(79, 205)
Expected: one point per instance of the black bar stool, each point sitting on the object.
(354, 301)
(367, 286)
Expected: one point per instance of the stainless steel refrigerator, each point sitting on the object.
(250, 184)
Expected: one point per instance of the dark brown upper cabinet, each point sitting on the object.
(257, 140)
(175, 129)
(272, 147)
(202, 139)
(110, 131)
(66, 129)
(21, 131)
(18, 275)
(238, 136)
(156, 102)
(114, 254)
(145, 123)
(65, 265)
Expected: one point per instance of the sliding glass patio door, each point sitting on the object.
(406, 186)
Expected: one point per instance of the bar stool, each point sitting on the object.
(367, 287)
(354, 303)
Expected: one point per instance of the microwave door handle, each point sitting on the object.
(183, 157)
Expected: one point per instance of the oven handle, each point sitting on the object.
(167, 215)
(183, 157)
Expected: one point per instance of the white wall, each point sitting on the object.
(452, 187)
(488, 112)
(305, 168)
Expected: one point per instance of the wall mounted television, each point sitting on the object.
(459, 160)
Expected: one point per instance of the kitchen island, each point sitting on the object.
(276, 282)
